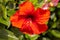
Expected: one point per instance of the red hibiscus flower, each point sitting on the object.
(30, 20)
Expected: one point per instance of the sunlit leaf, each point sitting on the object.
(4, 11)
(5, 22)
(34, 1)
(53, 17)
(44, 38)
(31, 37)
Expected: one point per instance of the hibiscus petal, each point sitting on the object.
(18, 24)
(30, 27)
(26, 7)
(16, 20)
(34, 27)
(38, 29)
(26, 29)
(42, 16)
(15, 16)
(42, 27)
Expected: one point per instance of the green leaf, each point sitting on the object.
(40, 4)
(7, 35)
(58, 13)
(21, 37)
(52, 8)
(34, 37)
(34, 1)
(17, 33)
(58, 6)
(4, 11)
(5, 22)
(44, 38)
(55, 33)
(11, 12)
(49, 0)
(31, 37)
(53, 17)
(54, 25)
(3, 1)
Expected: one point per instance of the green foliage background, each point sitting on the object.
(7, 32)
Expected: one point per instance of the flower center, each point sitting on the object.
(30, 16)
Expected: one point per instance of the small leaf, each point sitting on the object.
(11, 12)
(54, 25)
(53, 17)
(34, 37)
(41, 4)
(52, 8)
(5, 22)
(31, 37)
(34, 1)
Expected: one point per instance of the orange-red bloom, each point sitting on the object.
(30, 20)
